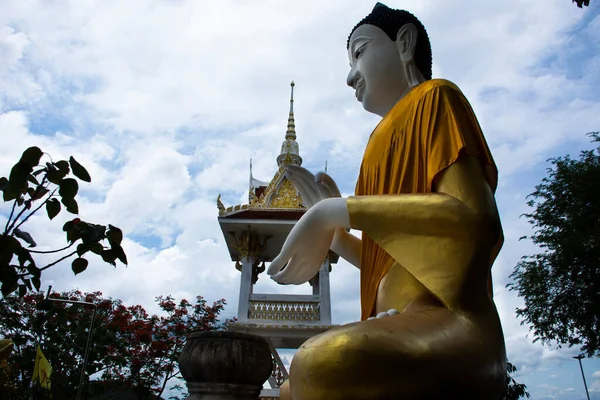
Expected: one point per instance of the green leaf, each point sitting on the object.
(22, 290)
(3, 183)
(55, 175)
(25, 237)
(34, 271)
(31, 178)
(8, 274)
(52, 208)
(114, 234)
(96, 248)
(10, 246)
(79, 265)
(9, 193)
(73, 235)
(68, 188)
(36, 283)
(120, 253)
(63, 166)
(18, 176)
(82, 248)
(8, 288)
(79, 171)
(109, 256)
(91, 233)
(71, 205)
(38, 193)
(31, 156)
(24, 255)
(68, 226)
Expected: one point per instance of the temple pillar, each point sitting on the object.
(245, 288)
(324, 293)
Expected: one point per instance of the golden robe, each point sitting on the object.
(426, 132)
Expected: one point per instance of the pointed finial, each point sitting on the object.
(325, 166)
(290, 151)
(291, 127)
(292, 97)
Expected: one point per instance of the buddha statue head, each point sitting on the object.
(389, 53)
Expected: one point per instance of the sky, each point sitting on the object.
(165, 102)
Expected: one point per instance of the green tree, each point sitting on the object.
(581, 3)
(31, 186)
(514, 390)
(561, 284)
(131, 350)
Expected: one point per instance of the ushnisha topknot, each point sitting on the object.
(390, 21)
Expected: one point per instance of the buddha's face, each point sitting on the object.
(376, 70)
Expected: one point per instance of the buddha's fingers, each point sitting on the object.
(311, 262)
(324, 190)
(295, 271)
(324, 178)
(306, 180)
(278, 262)
(305, 272)
(289, 275)
(301, 267)
(308, 191)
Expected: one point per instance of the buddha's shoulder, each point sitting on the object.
(430, 87)
(437, 84)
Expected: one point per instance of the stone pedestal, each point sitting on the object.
(225, 365)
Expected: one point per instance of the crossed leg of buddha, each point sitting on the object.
(425, 352)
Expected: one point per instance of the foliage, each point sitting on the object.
(514, 390)
(129, 348)
(30, 183)
(561, 284)
(581, 3)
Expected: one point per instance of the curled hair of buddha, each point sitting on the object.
(390, 21)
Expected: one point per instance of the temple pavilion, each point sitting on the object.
(254, 233)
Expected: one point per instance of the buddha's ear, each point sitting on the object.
(406, 41)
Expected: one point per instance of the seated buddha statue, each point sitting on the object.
(424, 202)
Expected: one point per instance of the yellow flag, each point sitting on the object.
(41, 370)
(6, 346)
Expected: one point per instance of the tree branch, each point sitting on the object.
(59, 260)
(10, 217)
(24, 208)
(51, 251)
(34, 211)
(167, 377)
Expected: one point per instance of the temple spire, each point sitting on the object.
(290, 149)
(291, 127)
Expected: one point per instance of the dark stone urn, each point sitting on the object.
(222, 365)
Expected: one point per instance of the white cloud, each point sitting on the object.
(166, 102)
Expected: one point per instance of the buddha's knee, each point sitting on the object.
(284, 391)
(348, 363)
(401, 357)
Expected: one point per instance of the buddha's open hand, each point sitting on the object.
(308, 243)
(312, 188)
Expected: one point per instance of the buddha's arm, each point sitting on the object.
(347, 246)
(461, 206)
